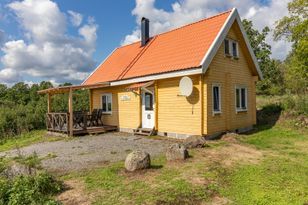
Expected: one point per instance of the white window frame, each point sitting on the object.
(109, 96)
(241, 109)
(230, 43)
(219, 98)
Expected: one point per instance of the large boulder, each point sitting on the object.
(17, 169)
(137, 160)
(176, 152)
(194, 142)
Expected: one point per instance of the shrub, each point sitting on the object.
(296, 104)
(36, 189)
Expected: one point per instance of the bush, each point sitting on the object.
(296, 104)
(36, 189)
(24, 189)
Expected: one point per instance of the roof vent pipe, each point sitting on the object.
(145, 31)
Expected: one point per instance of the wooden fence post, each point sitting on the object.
(70, 110)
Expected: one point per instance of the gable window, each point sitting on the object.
(227, 49)
(107, 103)
(216, 93)
(241, 98)
(231, 48)
(234, 49)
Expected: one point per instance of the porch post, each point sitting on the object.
(156, 105)
(201, 103)
(70, 110)
(91, 100)
(49, 103)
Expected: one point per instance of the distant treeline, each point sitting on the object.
(22, 109)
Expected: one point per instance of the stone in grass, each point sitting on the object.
(137, 160)
(176, 152)
(194, 142)
(17, 169)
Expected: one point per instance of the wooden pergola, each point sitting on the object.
(68, 89)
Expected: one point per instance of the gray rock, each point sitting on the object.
(17, 169)
(194, 142)
(137, 160)
(176, 152)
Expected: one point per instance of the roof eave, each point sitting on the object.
(159, 76)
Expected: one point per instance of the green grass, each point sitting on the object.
(274, 181)
(281, 178)
(275, 138)
(26, 139)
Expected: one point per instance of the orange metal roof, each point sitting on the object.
(175, 50)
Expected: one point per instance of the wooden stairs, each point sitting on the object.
(144, 131)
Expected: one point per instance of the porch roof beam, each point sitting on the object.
(66, 89)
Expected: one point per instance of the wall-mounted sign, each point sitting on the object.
(125, 98)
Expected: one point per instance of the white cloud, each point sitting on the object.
(9, 76)
(75, 18)
(48, 52)
(187, 11)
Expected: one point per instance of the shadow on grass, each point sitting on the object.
(267, 117)
(156, 166)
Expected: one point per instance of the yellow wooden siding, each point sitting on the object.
(125, 113)
(228, 73)
(178, 114)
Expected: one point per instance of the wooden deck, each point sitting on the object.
(89, 130)
(59, 123)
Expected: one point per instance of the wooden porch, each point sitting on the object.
(59, 122)
(74, 122)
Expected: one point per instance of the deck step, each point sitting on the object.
(143, 131)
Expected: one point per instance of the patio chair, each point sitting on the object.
(92, 118)
(99, 121)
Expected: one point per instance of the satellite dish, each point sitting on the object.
(186, 86)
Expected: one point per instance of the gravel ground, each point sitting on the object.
(90, 151)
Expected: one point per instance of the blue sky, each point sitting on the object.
(30, 35)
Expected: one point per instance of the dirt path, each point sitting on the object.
(90, 151)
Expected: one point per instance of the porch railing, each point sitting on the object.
(57, 122)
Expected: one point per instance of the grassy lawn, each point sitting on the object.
(266, 167)
(26, 139)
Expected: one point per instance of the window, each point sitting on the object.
(234, 49)
(231, 48)
(241, 98)
(107, 103)
(216, 99)
(148, 101)
(227, 49)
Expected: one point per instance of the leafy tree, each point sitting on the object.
(22, 109)
(271, 69)
(294, 28)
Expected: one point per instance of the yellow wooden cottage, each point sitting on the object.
(198, 79)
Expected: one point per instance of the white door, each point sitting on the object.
(148, 104)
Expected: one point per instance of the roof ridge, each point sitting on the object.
(199, 21)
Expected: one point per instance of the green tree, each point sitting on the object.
(294, 28)
(271, 69)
